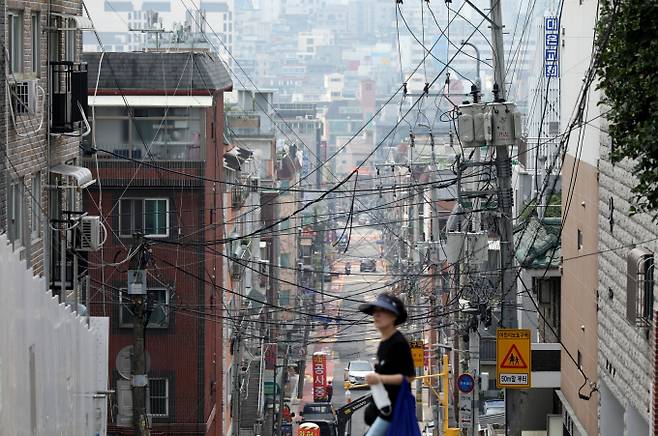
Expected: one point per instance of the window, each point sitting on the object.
(159, 396)
(55, 39)
(35, 221)
(157, 300)
(639, 287)
(148, 215)
(15, 212)
(579, 239)
(36, 43)
(173, 134)
(20, 97)
(69, 39)
(15, 42)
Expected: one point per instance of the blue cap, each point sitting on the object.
(387, 302)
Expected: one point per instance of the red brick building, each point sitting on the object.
(158, 127)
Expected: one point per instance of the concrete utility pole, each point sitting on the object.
(301, 363)
(284, 379)
(137, 291)
(513, 397)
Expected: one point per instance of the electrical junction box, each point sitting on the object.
(471, 124)
(504, 124)
(136, 282)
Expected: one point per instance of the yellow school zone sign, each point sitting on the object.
(513, 358)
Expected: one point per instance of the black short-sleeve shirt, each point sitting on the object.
(394, 357)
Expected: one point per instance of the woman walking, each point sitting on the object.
(394, 361)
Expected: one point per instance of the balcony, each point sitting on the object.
(69, 96)
(151, 133)
(240, 258)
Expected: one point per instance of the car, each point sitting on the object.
(493, 407)
(368, 265)
(323, 415)
(355, 373)
(327, 427)
(311, 409)
(327, 274)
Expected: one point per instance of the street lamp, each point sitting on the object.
(478, 83)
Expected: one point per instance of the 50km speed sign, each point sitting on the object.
(513, 357)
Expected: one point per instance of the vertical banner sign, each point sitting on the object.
(270, 355)
(513, 358)
(418, 353)
(319, 376)
(551, 46)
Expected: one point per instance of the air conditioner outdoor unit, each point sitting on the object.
(90, 233)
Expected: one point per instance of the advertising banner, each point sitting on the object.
(319, 376)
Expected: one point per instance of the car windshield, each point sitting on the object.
(360, 366)
(319, 409)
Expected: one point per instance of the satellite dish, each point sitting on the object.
(123, 361)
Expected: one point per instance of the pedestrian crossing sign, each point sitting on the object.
(513, 358)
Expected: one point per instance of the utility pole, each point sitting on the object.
(513, 397)
(137, 291)
(301, 363)
(284, 379)
(236, 397)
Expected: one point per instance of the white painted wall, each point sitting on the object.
(578, 21)
(52, 365)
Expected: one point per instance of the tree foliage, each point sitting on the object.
(628, 74)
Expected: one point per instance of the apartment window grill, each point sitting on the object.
(159, 396)
(20, 97)
(639, 287)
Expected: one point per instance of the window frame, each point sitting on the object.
(132, 218)
(166, 124)
(15, 51)
(69, 39)
(166, 397)
(35, 33)
(35, 213)
(640, 283)
(149, 291)
(15, 212)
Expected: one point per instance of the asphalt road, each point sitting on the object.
(357, 342)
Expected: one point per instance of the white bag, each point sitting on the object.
(380, 397)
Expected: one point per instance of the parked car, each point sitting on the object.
(312, 409)
(368, 265)
(493, 407)
(323, 415)
(327, 274)
(355, 373)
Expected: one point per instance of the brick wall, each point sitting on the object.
(625, 352)
(28, 152)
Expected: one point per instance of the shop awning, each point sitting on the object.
(81, 23)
